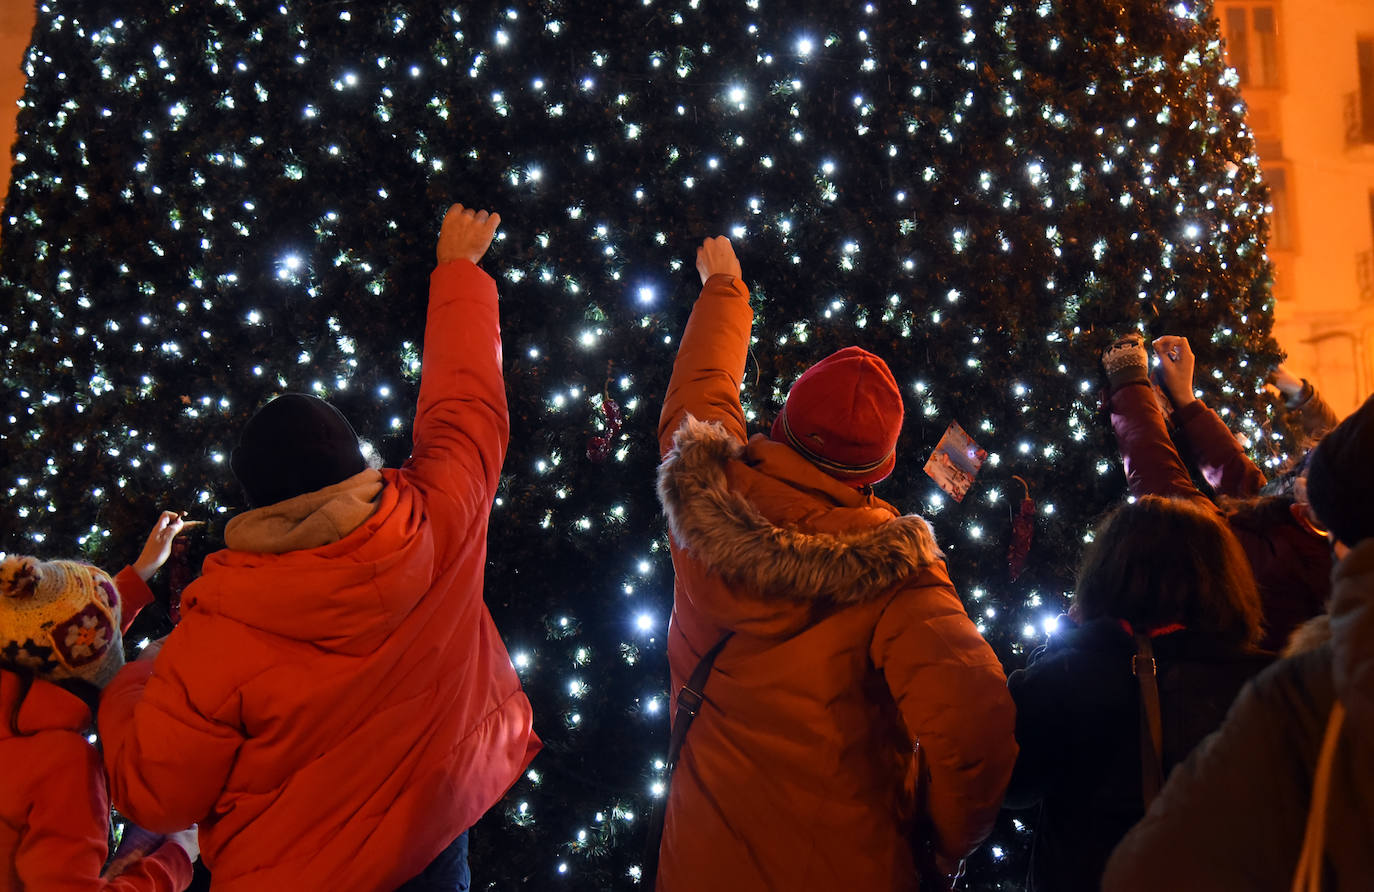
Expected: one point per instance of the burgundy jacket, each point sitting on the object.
(1292, 565)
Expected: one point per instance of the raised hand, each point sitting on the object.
(466, 234)
(159, 544)
(1175, 368)
(715, 256)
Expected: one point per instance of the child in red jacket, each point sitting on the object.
(60, 642)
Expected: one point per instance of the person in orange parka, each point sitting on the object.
(336, 708)
(61, 624)
(856, 727)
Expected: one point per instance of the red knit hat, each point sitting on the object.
(843, 415)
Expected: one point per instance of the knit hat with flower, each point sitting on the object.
(59, 619)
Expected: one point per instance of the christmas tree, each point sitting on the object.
(216, 203)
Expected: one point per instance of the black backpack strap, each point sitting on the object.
(689, 700)
(1151, 724)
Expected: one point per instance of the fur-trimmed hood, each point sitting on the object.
(1352, 635)
(839, 547)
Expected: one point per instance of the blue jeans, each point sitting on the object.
(446, 873)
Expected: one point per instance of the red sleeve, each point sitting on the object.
(167, 755)
(1223, 463)
(134, 595)
(710, 361)
(63, 847)
(952, 693)
(1153, 466)
(462, 425)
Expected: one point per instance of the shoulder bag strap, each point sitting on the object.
(1308, 876)
(1151, 725)
(689, 700)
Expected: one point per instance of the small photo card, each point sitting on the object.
(955, 462)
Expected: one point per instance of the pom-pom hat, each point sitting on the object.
(844, 415)
(59, 619)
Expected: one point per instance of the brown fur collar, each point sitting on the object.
(723, 530)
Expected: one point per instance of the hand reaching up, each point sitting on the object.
(1289, 384)
(466, 234)
(1175, 368)
(715, 256)
(159, 544)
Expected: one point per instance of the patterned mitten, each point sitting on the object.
(1126, 362)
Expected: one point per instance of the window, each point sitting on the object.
(1252, 44)
(1364, 51)
(1281, 218)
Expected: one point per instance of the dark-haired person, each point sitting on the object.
(1235, 814)
(855, 722)
(336, 708)
(1167, 569)
(1287, 553)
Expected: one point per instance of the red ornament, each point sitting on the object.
(599, 447)
(1022, 531)
(179, 575)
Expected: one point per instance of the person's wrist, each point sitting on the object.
(1122, 375)
(1301, 395)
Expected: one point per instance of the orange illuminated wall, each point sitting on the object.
(16, 27)
(1306, 70)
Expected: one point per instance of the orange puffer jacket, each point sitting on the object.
(856, 716)
(334, 716)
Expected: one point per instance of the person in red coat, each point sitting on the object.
(336, 707)
(1289, 556)
(61, 624)
(856, 726)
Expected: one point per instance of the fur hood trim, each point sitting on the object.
(723, 530)
(1309, 636)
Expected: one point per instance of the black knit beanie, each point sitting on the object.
(1340, 477)
(295, 444)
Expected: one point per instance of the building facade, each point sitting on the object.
(1307, 74)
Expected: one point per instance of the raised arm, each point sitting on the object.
(1299, 396)
(1225, 466)
(132, 581)
(710, 359)
(1153, 466)
(462, 425)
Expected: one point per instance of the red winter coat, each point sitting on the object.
(54, 803)
(333, 717)
(802, 770)
(1292, 565)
